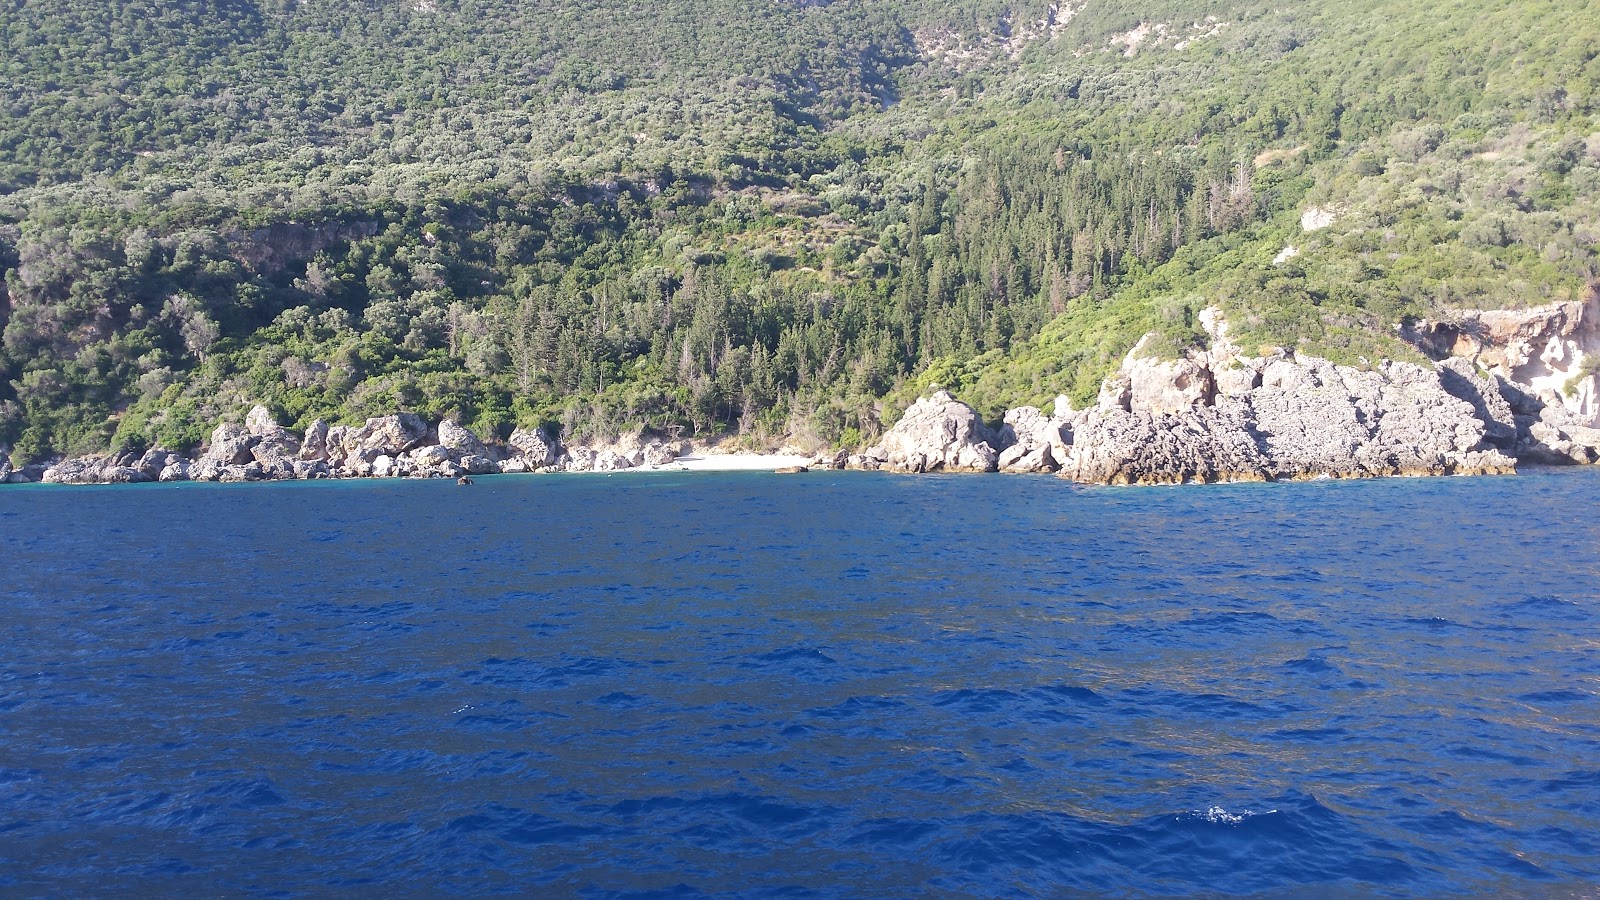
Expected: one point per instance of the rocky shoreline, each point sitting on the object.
(1513, 388)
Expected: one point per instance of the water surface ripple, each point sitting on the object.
(829, 685)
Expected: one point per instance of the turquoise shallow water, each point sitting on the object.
(829, 685)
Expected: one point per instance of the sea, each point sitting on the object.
(836, 684)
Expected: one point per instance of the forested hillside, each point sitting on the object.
(773, 219)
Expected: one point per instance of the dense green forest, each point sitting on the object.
(778, 219)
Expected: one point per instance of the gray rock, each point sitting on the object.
(536, 447)
(123, 475)
(230, 446)
(431, 457)
(659, 455)
(1029, 429)
(308, 469)
(84, 470)
(259, 421)
(479, 465)
(1022, 459)
(1460, 379)
(384, 466)
(314, 446)
(177, 469)
(153, 462)
(388, 435)
(5, 466)
(611, 461)
(579, 459)
(938, 434)
(460, 441)
(1116, 392)
(1156, 386)
(30, 474)
(1307, 418)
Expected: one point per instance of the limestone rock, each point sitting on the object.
(460, 441)
(388, 435)
(1026, 429)
(230, 446)
(938, 434)
(1237, 376)
(5, 465)
(580, 459)
(177, 469)
(1117, 446)
(152, 462)
(314, 446)
(1115, 393)
(84, 470)
(473, 464)
(1307, 418)
(122, 475)
(259, 421)
(611, 461)
(536, 448)
(1461, 380)
(660, 454)
(1165, 386)
(308, 469)
(1019, 458)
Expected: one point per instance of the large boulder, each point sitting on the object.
(230, 446)
(579, 459)
(656, 454)
(176, 469)
(1116, 446)
(1033, 441)
(83, 470)
(537, 448)
(388, 435)
(611, 461)
(1166, 386)
(938, 434)
(460, 441)
(314, 446)
(152, 462)
(473, 464)
(5, 465)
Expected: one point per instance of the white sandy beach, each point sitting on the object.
(732, 462)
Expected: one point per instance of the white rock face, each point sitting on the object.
(1316, 218)
(937, 434)
(460, 441)
(1288, 252)
(1548, 353)
(1285, 416)
(536, 448)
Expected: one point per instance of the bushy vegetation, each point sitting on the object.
(744, 216)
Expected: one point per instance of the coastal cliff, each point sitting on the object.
(1510, 388)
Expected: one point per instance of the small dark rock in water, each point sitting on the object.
(465, 479)
(790, 470)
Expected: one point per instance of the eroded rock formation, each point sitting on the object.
(937, 434)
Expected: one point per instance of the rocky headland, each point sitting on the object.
(1511, 387)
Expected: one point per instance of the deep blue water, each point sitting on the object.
(826, 685)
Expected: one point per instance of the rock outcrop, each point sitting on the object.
(536, 449)
(1549, 353)
(1218, 416)
(1033, 441)
(936, 434)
